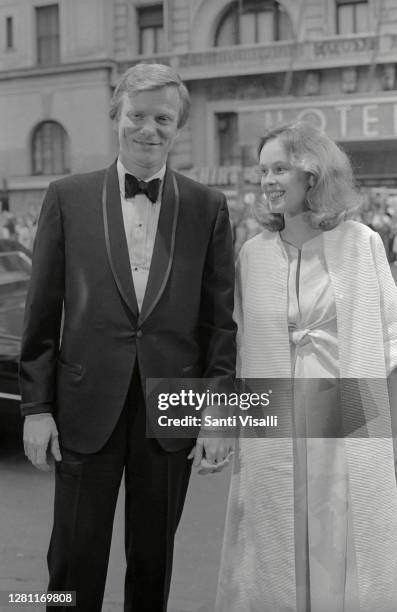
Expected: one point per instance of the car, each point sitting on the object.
(9, 244)
(15, 270)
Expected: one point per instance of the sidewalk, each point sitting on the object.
(25, 523)
(197, 548)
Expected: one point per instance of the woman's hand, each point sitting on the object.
(211, 454)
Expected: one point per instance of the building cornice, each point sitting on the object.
(329, 52)
(57, 69)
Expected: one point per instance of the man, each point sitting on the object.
(132, 279)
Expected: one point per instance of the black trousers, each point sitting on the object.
(86, 489)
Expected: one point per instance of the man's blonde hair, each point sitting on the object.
(148, 77)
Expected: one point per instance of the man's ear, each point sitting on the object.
(310, 181)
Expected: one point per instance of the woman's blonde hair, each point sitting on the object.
(332, 195)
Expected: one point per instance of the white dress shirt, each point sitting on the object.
(140, 217)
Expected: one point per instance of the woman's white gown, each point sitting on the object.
(252, 577)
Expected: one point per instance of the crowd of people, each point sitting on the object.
(378, 210)
(18, 227)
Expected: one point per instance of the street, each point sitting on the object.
(25, 523)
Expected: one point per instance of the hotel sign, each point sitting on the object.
(343, 120)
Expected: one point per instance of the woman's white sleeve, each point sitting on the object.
(388, 305)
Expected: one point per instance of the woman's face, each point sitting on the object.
(284, 185)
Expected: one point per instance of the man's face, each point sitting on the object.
(147, 127)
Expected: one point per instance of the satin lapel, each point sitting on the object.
(116, 242)
(163, 250)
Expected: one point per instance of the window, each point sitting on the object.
(151, 31)
(9, 33)
(47, 33)
(352, 16)
(229, 148)
(253, 21)
(50, 149)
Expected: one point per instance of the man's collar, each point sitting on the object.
(122, 170)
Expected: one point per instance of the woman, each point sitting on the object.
(312, 517)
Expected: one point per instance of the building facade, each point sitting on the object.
(249, 64)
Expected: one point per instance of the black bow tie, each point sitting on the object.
(133, 186)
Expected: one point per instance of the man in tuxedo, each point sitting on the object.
(132, 279)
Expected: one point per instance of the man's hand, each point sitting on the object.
(212, 454)
(39, 432)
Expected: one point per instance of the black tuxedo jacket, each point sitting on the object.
(83, 332)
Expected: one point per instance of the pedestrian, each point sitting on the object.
(132, 278)
(312, 515)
